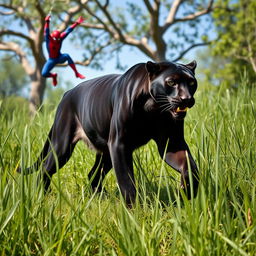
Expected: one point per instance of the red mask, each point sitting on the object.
(56, 35)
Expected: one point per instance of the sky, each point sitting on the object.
(127, 56)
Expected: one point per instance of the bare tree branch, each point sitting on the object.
(156, 5)
(26, 19)
(106, 4)
(189, 48)
(156, 33)
(71, 12)
(197, 14)
(173, 11)
(7, 13)
(30, 40)
(14, 33)
(20, 10)
(39, 36)
(41, 12)
(13, 47)
(92, 56)
(116, 33)
(7, 6)
(93, 26)
(148, 5)
(107, 28)
(111, 21)
(94, 53)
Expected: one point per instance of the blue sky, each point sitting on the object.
(127, 56)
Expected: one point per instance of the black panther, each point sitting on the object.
(115, 114)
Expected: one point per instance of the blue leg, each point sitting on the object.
(65, 57)
(48, 66)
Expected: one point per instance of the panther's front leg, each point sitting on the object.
(178, 156)
(121, 158)
(179, 161)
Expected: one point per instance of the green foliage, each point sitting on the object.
(12, 77)
(220, 71)
(134, 21)
(12, 105)
(71, 220)
(235, 24)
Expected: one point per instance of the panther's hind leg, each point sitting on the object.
(61, 144)
(99, 170)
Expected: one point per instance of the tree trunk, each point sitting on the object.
(253, 63)
(160, 54)
(38, 85)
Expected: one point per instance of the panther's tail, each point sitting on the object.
(40, 159)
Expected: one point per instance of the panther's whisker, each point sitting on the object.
(164, 109)
(165, 105)
(163, 101)
(162, 98)
(167, 108)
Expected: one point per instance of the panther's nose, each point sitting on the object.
(187, 101)
(184, 93)
(185, 97)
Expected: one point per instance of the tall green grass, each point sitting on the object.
(71, 220)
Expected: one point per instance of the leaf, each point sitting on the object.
(232, 244)
(10, 215)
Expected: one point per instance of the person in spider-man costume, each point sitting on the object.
(53, 44)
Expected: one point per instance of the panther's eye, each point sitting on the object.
(192, 83)
(170, 82)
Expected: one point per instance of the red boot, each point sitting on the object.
(54, 79)
(76, 72)
(80, 75)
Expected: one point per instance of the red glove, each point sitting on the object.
(80, 20)
(48, 18)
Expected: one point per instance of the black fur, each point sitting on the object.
(115, 114)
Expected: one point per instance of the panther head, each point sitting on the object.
(172, 86)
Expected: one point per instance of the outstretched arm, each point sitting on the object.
(70, 28)
(47, 27)
(47, 31)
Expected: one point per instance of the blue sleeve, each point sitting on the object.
(46, 37)
(66, 32)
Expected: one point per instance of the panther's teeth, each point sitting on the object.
(181, 110)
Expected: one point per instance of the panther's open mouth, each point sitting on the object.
(180, 109)
(179, 113)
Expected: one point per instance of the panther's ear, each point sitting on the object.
(192, 66)
(152, 68)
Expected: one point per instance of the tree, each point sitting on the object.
(160, 29)
(21, 32)
(236, 26)
(218, 70)
(12, 77)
